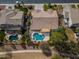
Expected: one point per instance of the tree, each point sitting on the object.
(2, 35)
(60, 6)
(45, 7)
(78, 5)
(22, 8)
(62, 44)
(58, 35)
(25, 38)
(74, 48)
(73, 6)
(25, 10)
(55, 7)
(49, 5)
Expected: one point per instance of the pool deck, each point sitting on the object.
(8, 35)
(46, 38)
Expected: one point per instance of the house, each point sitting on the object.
(74, 13)
(10, 20)
(75, 20)
(71, 16)
(16, 20)
(74, 23)
(44, 21)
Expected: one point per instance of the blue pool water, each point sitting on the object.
(13, 37)
(38, 37)
(38, 1)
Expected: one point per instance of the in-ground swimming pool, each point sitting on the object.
(13, 37)
(38, 37)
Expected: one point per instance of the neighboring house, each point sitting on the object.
(74, 14)
(71, 16)
(11, 20)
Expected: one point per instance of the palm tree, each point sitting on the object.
(2, 35)
(25, 38)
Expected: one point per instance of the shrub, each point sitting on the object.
(2, 35)
(73, 6)
(78, 6)
(25, 10)
(45, 7)
(58, 35)
(77, 30)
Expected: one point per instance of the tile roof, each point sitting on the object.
(74, 15)
(10, 19)
(41, 21)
